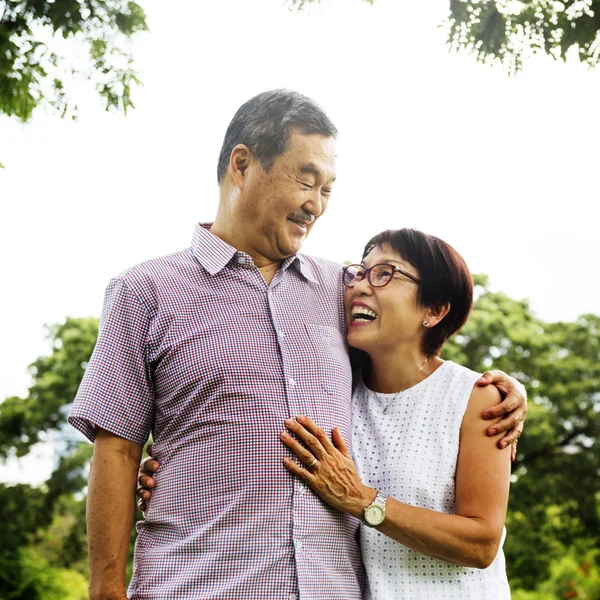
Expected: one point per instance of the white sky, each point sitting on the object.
(505, 169)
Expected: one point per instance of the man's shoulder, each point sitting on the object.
(147, 277)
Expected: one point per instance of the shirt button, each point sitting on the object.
(298, 545)
(292, 596)
(292, 382)
(280, 334)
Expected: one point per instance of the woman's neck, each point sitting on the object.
(390, 372)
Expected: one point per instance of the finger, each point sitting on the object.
(146, 481)
(297, 470)
(312, 443)
(149, 465)
(513, 452)
(143, 493)
(142, 505)
(306, 458)
(513, 435)
(149, 450)
(339, 442)
(317, 431)
(485, 379)
(506, 424)
(512, 403)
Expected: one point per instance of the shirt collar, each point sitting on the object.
(214, 254)
(211, 251)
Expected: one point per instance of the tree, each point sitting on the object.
(24, 421)
(554, 506)
(32, 71)
(27, 512)
(553, 520)
(504, 31)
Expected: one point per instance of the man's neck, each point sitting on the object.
(267, 267)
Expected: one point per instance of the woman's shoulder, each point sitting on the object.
(488, 394)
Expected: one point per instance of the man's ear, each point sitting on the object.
(239, 161)
(435, 314)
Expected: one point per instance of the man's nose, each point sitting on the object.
(316, 204)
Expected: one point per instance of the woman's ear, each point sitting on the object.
(435, 314)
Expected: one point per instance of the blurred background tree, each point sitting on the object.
(553, 520)
(32, 71)
(505, 31)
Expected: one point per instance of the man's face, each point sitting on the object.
(277, 209)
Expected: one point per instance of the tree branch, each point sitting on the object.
(549, 451)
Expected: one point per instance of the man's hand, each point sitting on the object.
(148, 467)
(513, 408)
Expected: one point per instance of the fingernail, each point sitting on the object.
(300, 418)
(289, 421)
(503, 444)
(493, 431)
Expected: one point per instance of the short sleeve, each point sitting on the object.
(116, 390)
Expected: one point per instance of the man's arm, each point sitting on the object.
(110, 510)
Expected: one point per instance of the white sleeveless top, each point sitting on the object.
(410, 454)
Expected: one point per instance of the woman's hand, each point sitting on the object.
(333, 476)
(513, 408)
(148, 467)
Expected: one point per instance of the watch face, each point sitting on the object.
(374, 515)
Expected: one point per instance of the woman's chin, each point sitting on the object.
(358, 341)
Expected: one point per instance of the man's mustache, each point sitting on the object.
(302, 216)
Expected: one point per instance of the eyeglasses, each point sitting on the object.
(378, 275)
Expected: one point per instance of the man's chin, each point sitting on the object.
(291, 245)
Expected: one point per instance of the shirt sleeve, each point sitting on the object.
(116, 390)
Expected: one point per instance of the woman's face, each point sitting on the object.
(394, 318)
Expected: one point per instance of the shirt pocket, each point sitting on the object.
(333, 362)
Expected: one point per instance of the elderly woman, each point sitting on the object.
(430, 487)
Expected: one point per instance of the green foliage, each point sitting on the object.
(56, 378)
(43, 550)
(25, 576)
(503, 31)
(572, 576)
(32, 72)
(555, 489)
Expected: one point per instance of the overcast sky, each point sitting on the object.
(505, 169)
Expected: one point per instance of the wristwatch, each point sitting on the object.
(375, 512)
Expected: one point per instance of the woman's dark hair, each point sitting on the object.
(444, 275)
(265, 124)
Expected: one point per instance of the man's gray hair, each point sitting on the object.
(265, 123)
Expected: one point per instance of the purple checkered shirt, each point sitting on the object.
(197, 349)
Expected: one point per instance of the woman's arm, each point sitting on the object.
(469, 538)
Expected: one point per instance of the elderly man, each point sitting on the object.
(211, 349)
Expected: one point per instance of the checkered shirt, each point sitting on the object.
(197, 349)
